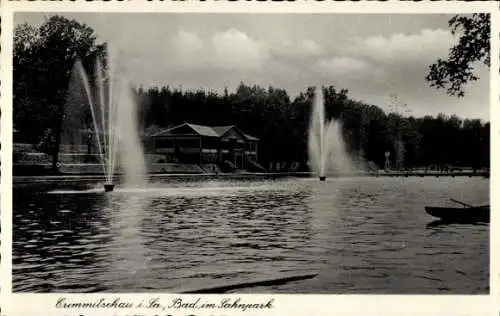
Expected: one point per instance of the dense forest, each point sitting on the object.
(281, 122)
(44, 56)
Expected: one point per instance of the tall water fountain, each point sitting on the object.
(326, 147)
(100, 121)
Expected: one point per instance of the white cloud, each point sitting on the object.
(342, 66)
(188, 42)
(398, 62)
(374, 67)
(235, 50)
(303, 48)
(228, 50)
(188, 49)
(370, 67)
(423, 47)
(311, 47)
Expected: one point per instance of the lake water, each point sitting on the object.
(361, 235)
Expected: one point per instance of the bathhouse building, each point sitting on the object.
(206, 144)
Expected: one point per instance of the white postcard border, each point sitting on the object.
(44, 304)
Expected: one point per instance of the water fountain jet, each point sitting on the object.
(326, 147)
(112, 121)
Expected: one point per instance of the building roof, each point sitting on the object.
(221, 130)
(208, 131)
(203, 130)
(249, 137)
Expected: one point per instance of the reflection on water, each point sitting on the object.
(363, 235)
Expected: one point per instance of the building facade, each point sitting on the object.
(200, 144)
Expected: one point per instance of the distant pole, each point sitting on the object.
(201, 153)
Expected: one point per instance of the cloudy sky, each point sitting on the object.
(373, 56)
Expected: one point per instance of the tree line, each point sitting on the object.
(282, 122)
(44, 57)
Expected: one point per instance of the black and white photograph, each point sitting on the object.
(251, 153)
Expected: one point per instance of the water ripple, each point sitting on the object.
(363, 235)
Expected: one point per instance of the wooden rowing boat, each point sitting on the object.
(465, 214)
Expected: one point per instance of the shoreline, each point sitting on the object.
(71, 177)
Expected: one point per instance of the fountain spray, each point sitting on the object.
(326, 146)
(113, 119)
